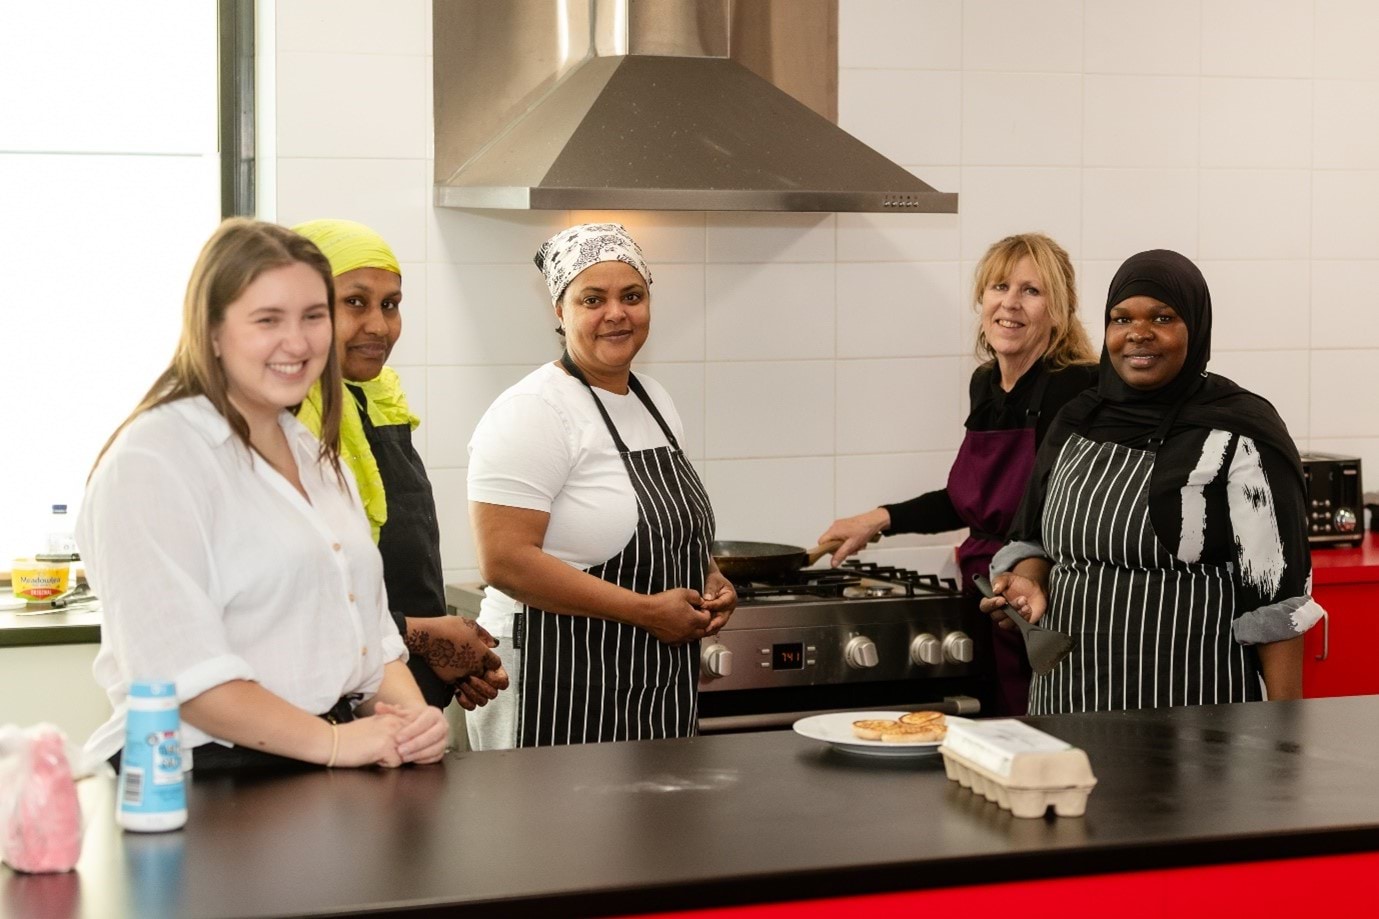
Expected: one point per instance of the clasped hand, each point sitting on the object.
(460, 652)
(683, 615)
(1018, 593)
(393, 735)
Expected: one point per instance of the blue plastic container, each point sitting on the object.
(153, 792)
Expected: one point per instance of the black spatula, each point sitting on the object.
(1044, 647)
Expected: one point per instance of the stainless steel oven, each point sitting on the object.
(857, 637)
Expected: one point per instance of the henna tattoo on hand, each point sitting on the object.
(450, 661)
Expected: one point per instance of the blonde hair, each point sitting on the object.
(234, 257)
(1068, 342)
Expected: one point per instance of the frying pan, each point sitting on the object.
(765, 561)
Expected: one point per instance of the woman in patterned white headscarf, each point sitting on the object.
(592, 527)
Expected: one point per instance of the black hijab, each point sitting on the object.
(1192, 403)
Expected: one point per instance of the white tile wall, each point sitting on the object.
(1241, 119)
(1130, 36)
(819, 361)
(1257, 38)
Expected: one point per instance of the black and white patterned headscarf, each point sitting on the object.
(562, 257)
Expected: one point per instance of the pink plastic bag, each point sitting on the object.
(40, 819)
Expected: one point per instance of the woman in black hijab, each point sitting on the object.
(1165, 525)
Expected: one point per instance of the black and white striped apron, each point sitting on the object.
(586, 680)
(1152, 630)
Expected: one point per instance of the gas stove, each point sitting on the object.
(859, 636)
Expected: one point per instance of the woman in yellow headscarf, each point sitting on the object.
(450, 656)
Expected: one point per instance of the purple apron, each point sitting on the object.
(986, 484)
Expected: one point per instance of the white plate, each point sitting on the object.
(835, 729)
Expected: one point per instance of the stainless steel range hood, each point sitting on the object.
(636, 105)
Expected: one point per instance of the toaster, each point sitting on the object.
(1335, 506)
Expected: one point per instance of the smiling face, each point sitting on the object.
(368, 320)
(274, 340)
(1147, 342)
(606, 314)
(1015, 315)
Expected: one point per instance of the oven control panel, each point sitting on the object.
(746, 658)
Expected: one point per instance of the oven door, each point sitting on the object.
(736, 711)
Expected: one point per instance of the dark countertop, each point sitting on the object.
(50, 627)
(726, 819)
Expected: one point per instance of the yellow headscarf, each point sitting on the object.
(349, 245)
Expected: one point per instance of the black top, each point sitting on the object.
(993, 409)
(737, 818)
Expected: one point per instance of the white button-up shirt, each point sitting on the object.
(211, 567)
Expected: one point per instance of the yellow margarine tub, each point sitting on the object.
(37, 581)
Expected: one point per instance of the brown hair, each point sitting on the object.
(234, 257)
(1068, 342)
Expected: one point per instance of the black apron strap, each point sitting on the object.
(1036, 398)
(636, 386)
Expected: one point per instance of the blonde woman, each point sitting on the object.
(229, 546)
(1036, 358)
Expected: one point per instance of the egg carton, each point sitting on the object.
(1023, 770)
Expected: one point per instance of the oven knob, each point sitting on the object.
(926, 649)
(860, 652)
(957, 647)
(718, 661)
(1345, 521)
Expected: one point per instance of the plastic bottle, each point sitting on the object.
(152, 792)
(61, 541)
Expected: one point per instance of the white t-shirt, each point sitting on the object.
(542, 445)
(213, 568)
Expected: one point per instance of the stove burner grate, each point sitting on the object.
(853, 581)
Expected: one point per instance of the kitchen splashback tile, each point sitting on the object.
(905, 309)
(685, 383)
(1345, 32)
(677, 314)
(388, 195)
(476, 237)
(1279, 376)
(867, 482)
(1119, 38)
(1345, 221)
(1025, 35)
(1255, 213)
(1339, 320)
(488, 314)
(771, 500)
(770, 237)
(1129, 210)
(459, 397)
(1258, 305)
(1342, 401)
(1257, 38)
(665, 236)
(451, 491)
(999, 201)
(924, 128)
(354, 25)
(320, 96)
(1343, 137)
(900, 34)
(1140, 121)
(769, 311)
(768, 409)
(1021, 119)
(902, 405)
(410, 350)
(1241, 121)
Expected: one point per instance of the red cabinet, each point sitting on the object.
(1342, 651)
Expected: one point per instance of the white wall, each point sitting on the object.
(108, 187)
(820, 360)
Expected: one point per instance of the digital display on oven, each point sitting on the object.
(788, 656)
